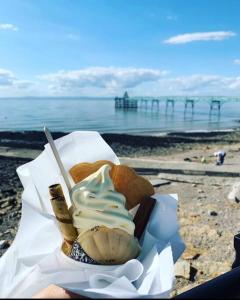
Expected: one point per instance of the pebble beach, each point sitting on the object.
(208, 218)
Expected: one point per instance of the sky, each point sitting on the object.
(104, 47)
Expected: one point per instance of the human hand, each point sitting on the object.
(55, 292)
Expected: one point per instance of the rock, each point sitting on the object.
(4, 244)
(5, 210)
(11, 231)
(237, 200)
(13, 214)
(182, 269)
(212, 213)
(187, 159)
(200, 191)
(235, 192)
(9, 191)
(5, 204)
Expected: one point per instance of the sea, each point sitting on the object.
(100, 114)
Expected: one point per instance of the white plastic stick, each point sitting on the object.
(57, 157)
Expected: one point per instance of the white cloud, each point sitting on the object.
(199, 36)
(6, 26)
(236, 61)
(6, 77)
(139, 82)
(114, 81)
(198, 84)
(110, 78)
(10, 85)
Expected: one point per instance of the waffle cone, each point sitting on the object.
(125, 180)
(109, 246)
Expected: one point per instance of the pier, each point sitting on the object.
(170, 103)
(167, 104)
(126, 102)
(215, 105)
(155, 102)
(189, 102)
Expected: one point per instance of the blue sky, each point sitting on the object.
(103, 47)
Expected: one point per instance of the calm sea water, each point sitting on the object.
(61, 114)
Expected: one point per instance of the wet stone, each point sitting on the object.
(4, 244)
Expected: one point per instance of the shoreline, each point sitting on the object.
(128, 144)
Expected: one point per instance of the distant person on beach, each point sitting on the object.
(220, 155)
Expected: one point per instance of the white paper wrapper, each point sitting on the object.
(34, 259)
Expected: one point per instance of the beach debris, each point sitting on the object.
(187, 159)
(203, 160)
(200, 191)
(182, 269)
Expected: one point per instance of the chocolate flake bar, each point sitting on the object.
(142, 215)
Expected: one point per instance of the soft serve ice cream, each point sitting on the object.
(96, 203)
(105, 227)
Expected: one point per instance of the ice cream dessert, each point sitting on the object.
(98, 228)
(105, 227)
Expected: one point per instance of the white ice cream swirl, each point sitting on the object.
(96, 203)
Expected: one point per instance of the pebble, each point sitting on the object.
(9, 192)
(14, 214)
(182, 269)
(5, 204)
(4, 244)
(237, 200)
(11, 231)
(213, 213)
(5, 210)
